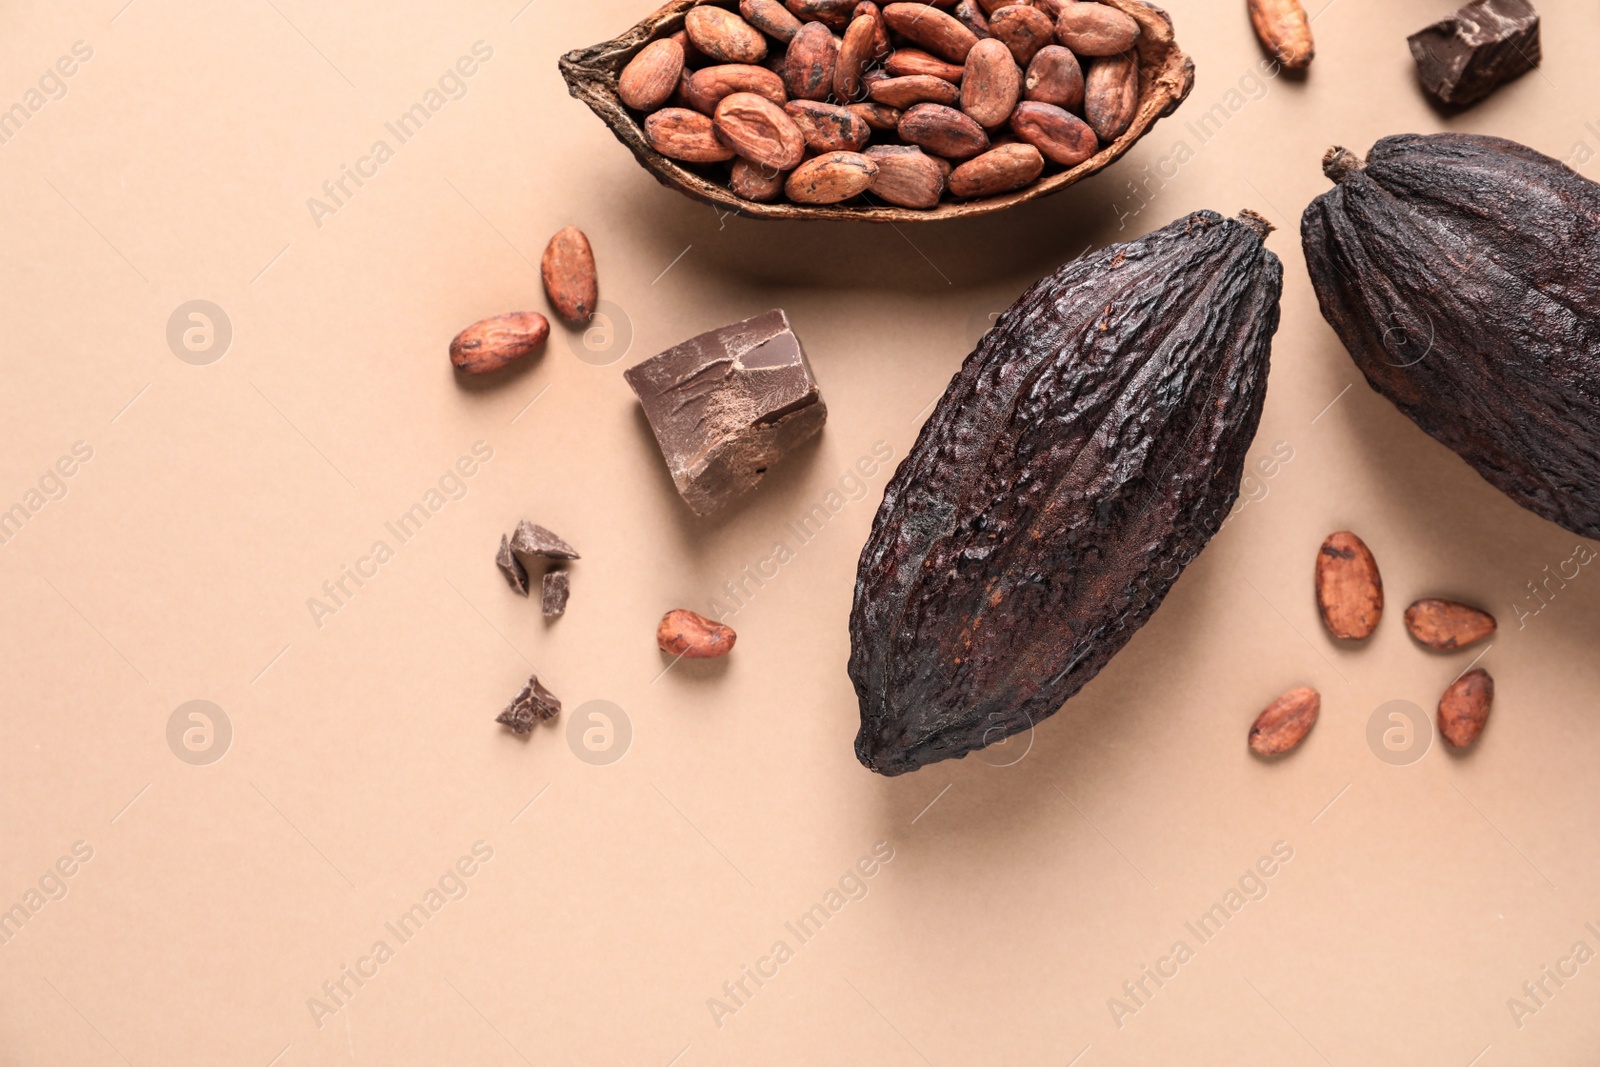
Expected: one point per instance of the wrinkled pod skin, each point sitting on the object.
(1463, 275)
(1079, 460)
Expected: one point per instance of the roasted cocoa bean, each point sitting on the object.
(771, 18)
(724, 36)
(809, 65)
(971, 15)
(944, 131)
(569, 275)
(494, 343)
(1111, 95)
(1284, 31)
(855, 52)
(999, 170)
(1060, 136)
(1094, 29)
(1349, 587)
(688, 635)
(907, 176)
(931, 28)
(1285, 722)
(835, 14)
(1446, 624)
(760, 131)
(1464, 708)
(1055, 77)
(648, 80)
(831, 178)
(1024, 30)
(685, 135)
(907, 61)
(880, 117)
(991, 84)
(828, 127)
(913, 89)
(708, 86)
(752, 181)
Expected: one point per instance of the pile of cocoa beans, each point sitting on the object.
(823, 101)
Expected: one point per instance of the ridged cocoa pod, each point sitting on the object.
(1080, 459)
(1461, 273)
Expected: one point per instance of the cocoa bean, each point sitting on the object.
(991, 84)
(724, 36)
(880, 34)
(708, 86)
(996, 171)
(1111, 95)
(569, 275)
(1464, 708)
(913, 89)
(907, 61)
(944, 131)
(759, 130)
(752, 181)
(1285, 722)
(1054, 77)
(1060, 136)
(907, 176)
(809, 66)
(494, 343)
(1446, 624)
(1349, 588)
(1024, 30)
(835, 14)
(1052, 8)
(854, 54)
(831, 178)
(771, 18)
(685, 634)
(931, 28)
(648, 80)
(1093, 29)
(829, 127)
(1284, 30)
(970, 15)
(880, 117)
(688, 136)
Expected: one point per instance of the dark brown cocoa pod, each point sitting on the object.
(1459, 271)
(1082, 457)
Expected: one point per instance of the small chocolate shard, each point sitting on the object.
(532, 540)
(532, 705)
(510, 566)
(1464, 58)
(728, 404)
(553, 593)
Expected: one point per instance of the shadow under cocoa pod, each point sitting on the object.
(1166, 75)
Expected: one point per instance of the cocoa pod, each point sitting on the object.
(906, 61)
(1046, 510)
(1284, 723)
(1349, 587)
(724, 36)
(1464, 708)
(907, 176)
(1060, 136)
(856, 51)
(944, 131)
(708, 86)
(752, 181)
(831, 178)
(913, 89)
(810, 63)
(926, 25)
(687, 635)
(999, 170)
(760, 131)
(880, 117)
(1023, 29)
(681, 134)
(828, 127)
(569, 275)
(1055, 77)
(648, 80)
(1446, 624)
(1111, 95)
(991, 84)
(771, 18)
(1284, 31)
(497, 342)
(835, 14)
(1093, 29)
(1459, 272)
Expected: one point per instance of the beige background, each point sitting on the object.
(364, 760)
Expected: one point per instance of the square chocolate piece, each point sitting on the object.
(1464, 58)
(728, 404)
(553, 593)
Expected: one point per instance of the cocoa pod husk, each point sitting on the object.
(831, 178)
(1054, 77)
(1111, 95)
(570, 280)
(944, 131)
(491, 344)
(688, 635)
(999, 170)
(724, 36)
(1284, 31)
(1285, 722)
(1349, 587)
(991, 83)
(1464, 707)
(650, 77)
(1448, 624)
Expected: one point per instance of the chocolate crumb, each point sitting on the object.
(554, 593)
(534, 540)
(532, 705)
(516, 574)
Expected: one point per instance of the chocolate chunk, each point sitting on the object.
(1464, 58)
(533, 540)
(553, 594)
(516, 574)
(727, 405)
(534, 704)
